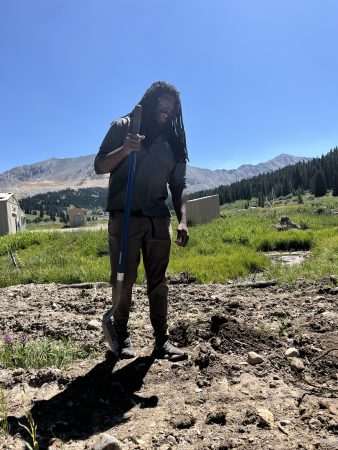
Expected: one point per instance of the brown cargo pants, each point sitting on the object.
(152, 236)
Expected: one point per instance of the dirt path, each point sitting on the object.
(215, 400)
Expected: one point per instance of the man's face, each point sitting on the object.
(165, 108)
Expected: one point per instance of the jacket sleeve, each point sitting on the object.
(113, 139)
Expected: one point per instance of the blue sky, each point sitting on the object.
(257, 78)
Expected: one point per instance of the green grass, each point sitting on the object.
(227, 248)
(323, 262)
(54, 257)
(4, 425)
(40, 353)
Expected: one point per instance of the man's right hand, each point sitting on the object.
(132, 143)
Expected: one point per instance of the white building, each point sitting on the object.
(12, 218)
(77, 217)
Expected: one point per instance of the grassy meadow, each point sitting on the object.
(228, 248)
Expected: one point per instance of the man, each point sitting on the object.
(161, 161)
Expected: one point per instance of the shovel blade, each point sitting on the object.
(110, 333)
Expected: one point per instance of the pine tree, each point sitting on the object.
(335, 184)
(287, 187)
(319, 185)
(261, 200)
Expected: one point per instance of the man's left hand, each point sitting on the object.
(182, 235)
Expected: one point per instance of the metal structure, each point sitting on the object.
(203, 210)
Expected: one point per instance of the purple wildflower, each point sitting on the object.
(9, 339)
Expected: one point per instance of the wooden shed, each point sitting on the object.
(203, 210)
(77, 217)
(12, 218)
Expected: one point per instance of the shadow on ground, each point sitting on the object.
(90, 404)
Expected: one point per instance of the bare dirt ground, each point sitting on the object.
(218, 399)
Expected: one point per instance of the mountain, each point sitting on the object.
(56, 174)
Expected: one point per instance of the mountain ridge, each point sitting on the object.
(55, 174)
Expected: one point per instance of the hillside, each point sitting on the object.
(317, 175)
(56, 174)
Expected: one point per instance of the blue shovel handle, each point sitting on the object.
(130, 184)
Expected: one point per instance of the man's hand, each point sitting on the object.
(182, 235)
(132, 143)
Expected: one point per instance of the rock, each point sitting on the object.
(182, 421)
(292, 352)
(332, 426)
(94, 325)
(319, 298)
(314, 424)
(297, 364)
(26, 294)
(265, 417)
(254, 358)
(171, 439)
(55, 444)
(327, 444)
(333, 410)
(251, 417)
(107, 442)
(195, 311)
(284, 422)
(334, 279)
(217, 416)
(302, 410)
(216, 343)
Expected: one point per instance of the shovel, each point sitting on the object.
(109, 329)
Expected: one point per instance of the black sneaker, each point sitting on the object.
(164, 349)
(126, 348)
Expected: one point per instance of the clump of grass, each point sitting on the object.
(4, 425)
(40, 353)
(285, 241)
(31, 428)
(283, 325)
(236, 236)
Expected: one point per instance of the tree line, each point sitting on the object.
(55, 204)
(317, 175)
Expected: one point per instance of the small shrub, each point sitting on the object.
(321, 210)
(236, 236)
(304, 225)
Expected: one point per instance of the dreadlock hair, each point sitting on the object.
(173, 130)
